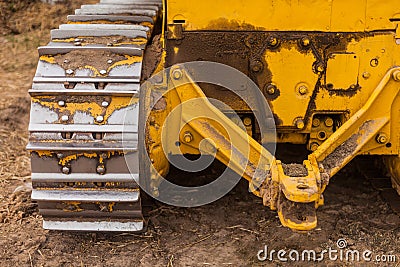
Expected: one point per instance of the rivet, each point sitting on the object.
(105, 104)
(60, 155)
(100, 119)
(247, 121)
(65, 118)
(110, 61)
(103, 72)
(61, 103)
(66, 61)
(78, 40)
(177, 74)
(69, 72)
(77, 44)
(329, 122)
(110, 44)
(66, 170)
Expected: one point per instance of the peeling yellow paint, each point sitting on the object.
(44, 153)
(48, 59)
(92, 108)
(136, 41)
(64, 161)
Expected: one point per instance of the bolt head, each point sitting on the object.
(105, 104)
(177, 74)
(188, 137)
(110, 61)
(329, 122)
(101, 169)
(366, 75)
(61, 103)
(273, 41)
(382, 139)
(60, 155)
(316, 122)
(374, 62)
(66, 170)
(257, 66)
(300, 124)
(103, 72)
(247, 121)
(320, 67)
(305, 42)
(65, 118)
(314, 147)
(69, 71)
(303, 90)
(100, 119)
(270, 89)
(77, 44)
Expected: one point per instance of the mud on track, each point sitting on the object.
(229, 232)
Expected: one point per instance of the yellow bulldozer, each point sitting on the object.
(128, 88)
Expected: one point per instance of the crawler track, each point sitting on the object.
(87, 81)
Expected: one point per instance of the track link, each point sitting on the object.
(87, 81)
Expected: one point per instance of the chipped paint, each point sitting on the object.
(93, 108)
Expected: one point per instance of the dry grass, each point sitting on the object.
(25, 30)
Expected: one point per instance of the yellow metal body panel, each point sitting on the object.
(289, 15)
(328, 69)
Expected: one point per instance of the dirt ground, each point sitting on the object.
(229, 232)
